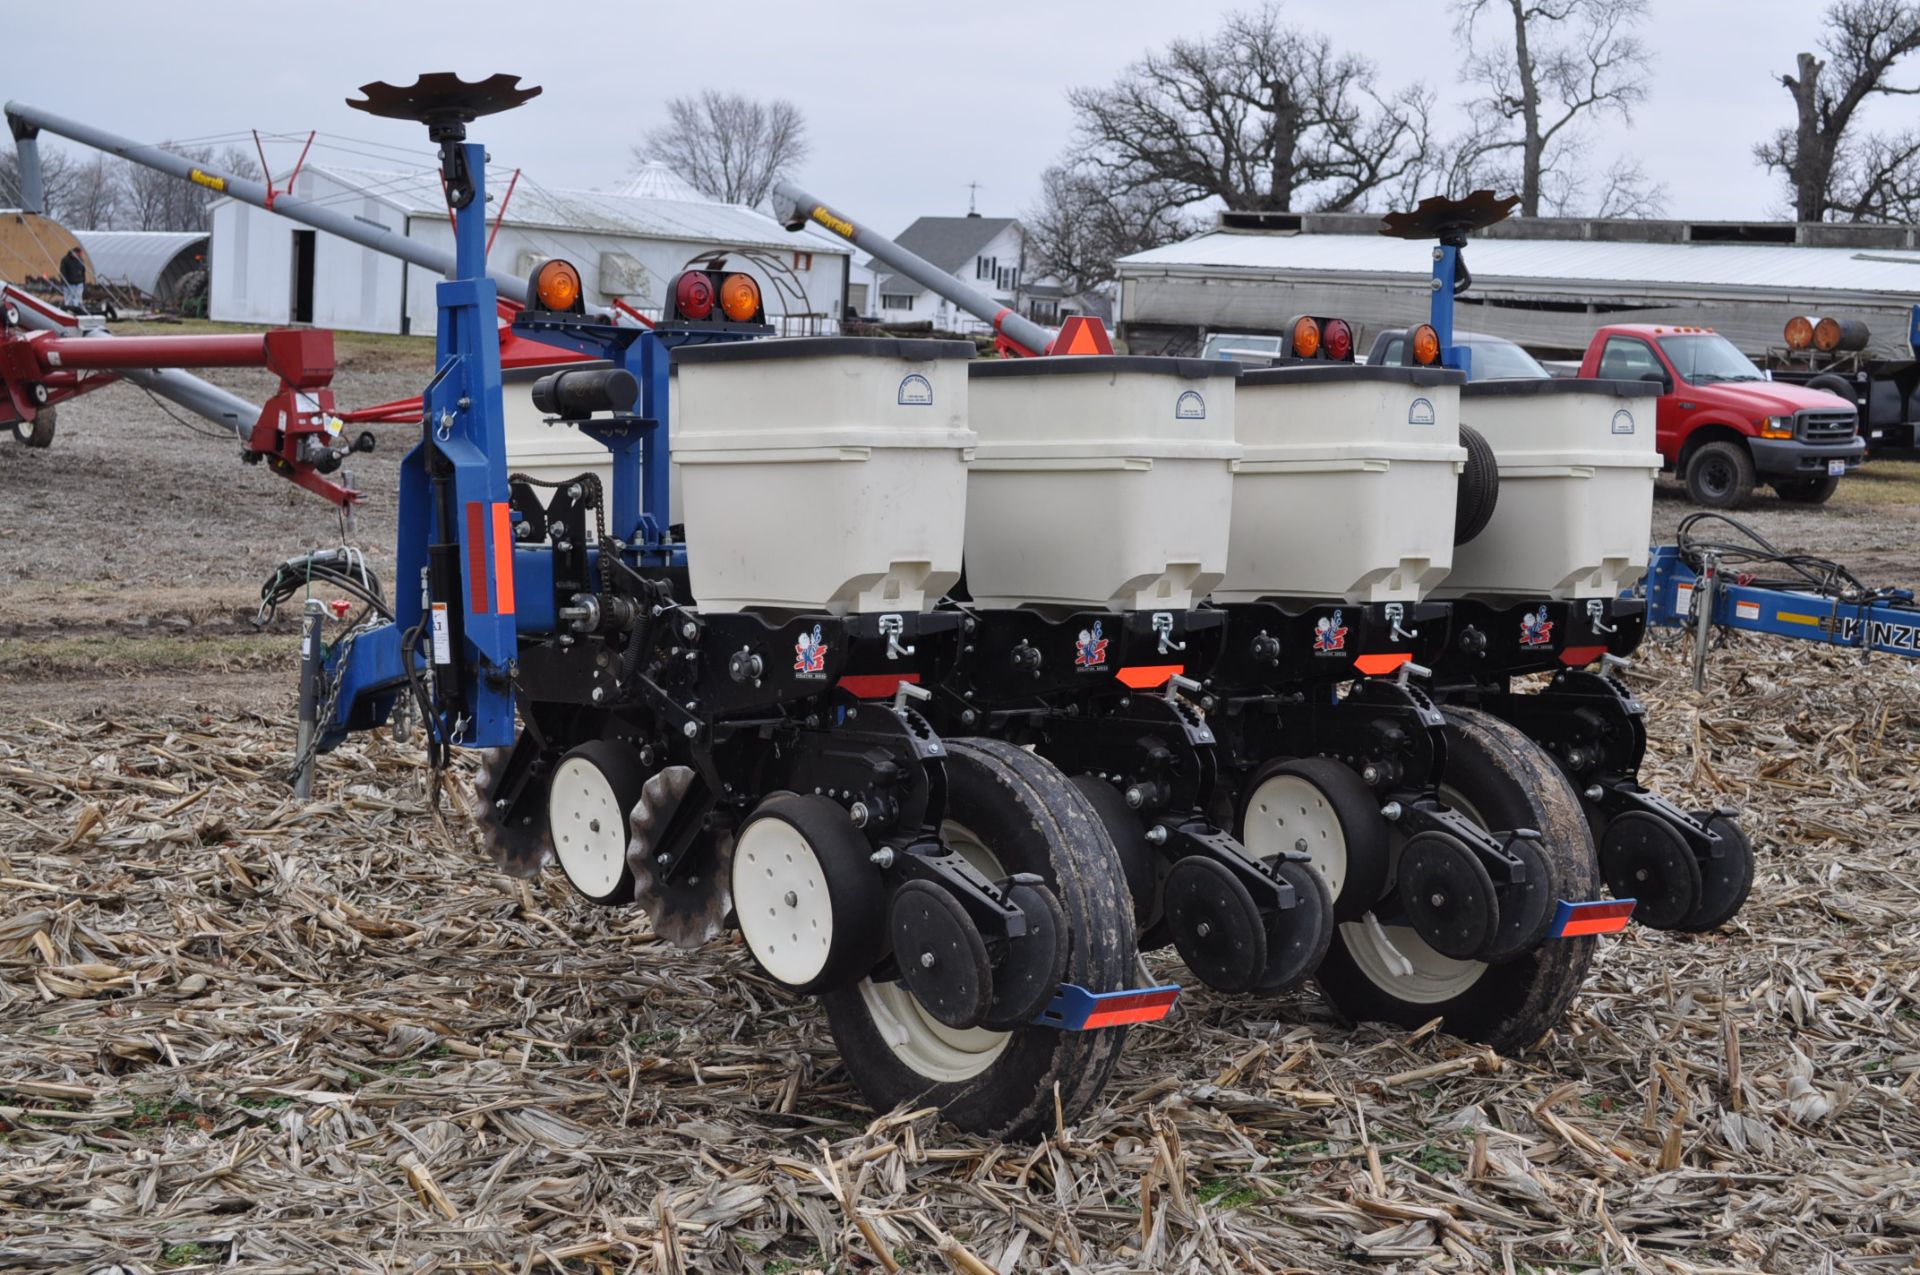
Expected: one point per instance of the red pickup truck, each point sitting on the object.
(1722, 424)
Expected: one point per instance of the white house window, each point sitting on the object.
(985, 267)
(1004, 278)
(895, 301)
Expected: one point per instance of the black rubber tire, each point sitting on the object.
(625, 774)
(1838, 386)
(1513, 783)
(1144, 866)
(40, 432)
(1034, 820)
(1720, 475)
(1807, 491)
(1369, 864)
(1479, 487)
(1725, 882)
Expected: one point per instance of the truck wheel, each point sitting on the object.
(40, 432)
(1808, 491)
(1720, 475)
(1007, 811)
(1376, 971)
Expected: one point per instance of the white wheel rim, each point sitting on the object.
(1289, 813)
(917, 1039)
(588, 827)
(1397, 960)
(781, 901)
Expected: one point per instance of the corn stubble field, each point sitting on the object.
(240, 1031)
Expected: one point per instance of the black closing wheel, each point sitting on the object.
(942, 957)
(1725, 882)
(1500, 780)
(1644, 858)
(1217, 928)
(1297, 938)
(1139, 859)
(1036, 962)
(1321, 808)
(1008, 812)
(806, 895)
(1448, 895)
(1479, 488)
(1526, 906)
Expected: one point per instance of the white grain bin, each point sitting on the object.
(1577, 466)
(823, 473)
(1099, 482)
(1349, 483)
(554, 451)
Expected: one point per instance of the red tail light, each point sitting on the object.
(1338, 339)
(693, 295)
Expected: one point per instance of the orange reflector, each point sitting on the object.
(875, 685)
(1306, 338)
(740, 298)
(477, 556)
(1375, 665)
(1581, 656)
(1081, 334)
(1600, 916)
(503, 556)
(557, 285)
(1145, 677)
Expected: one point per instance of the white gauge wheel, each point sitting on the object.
(1288, 813)
(781, 901)
(588, 827)
(1397, 960)
(918, 1039)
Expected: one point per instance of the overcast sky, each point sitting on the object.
(906, 102)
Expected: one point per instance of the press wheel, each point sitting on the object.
(1008, 811)
(1501, 780)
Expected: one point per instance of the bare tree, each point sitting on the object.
(1548, 68)
(728, 145)
(1828, 170)
(1260, 116)
(1081, 225)
(56, 175)
(93, 199)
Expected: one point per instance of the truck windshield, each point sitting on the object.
(1707, 358)
(1495, 360)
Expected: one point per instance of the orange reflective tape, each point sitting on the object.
(1374, 665)
(477, 555)
(503, 556)
(1597, 925)
(1145, 677)
(1135, 1014)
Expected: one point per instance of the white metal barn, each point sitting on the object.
(629, 245)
